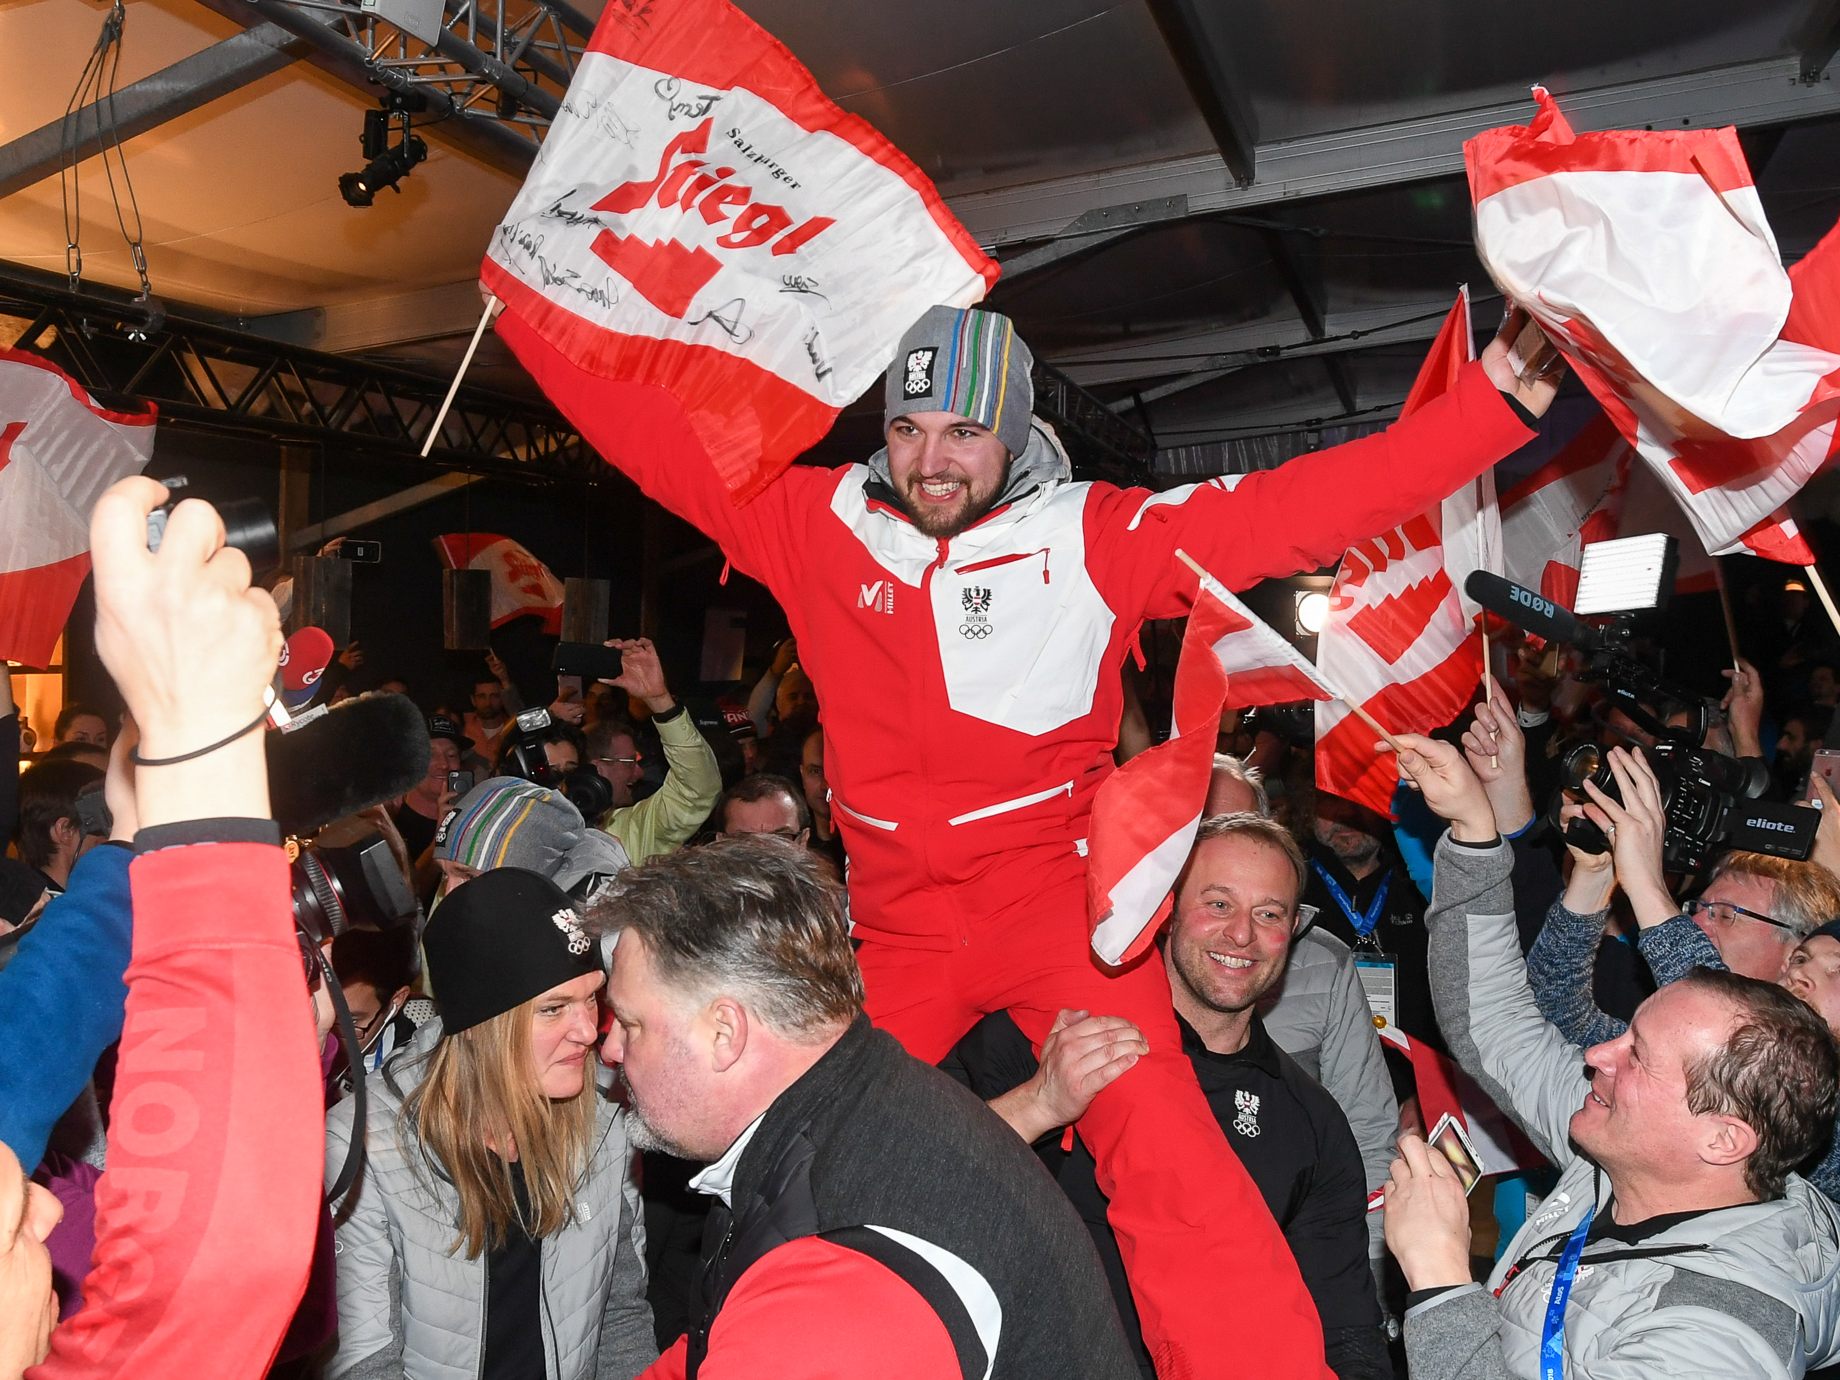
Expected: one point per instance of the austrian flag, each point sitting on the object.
(521, 584)
(1146, 814)
(58, 451)
(1646, 257)
(703, 225)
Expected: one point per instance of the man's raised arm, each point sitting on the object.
(1485, 1008)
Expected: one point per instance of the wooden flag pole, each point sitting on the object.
(1353, 708)
(1731, 623)
(1488, 676)
(492, 308)
(1820, 588)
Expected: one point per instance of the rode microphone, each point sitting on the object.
(350, 757)
(1530, 610)
(304, 660)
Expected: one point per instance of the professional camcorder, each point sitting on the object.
(582, 786)
(1710, 799)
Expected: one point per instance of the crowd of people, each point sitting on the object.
(763, 1037)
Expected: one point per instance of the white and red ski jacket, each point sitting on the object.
(971, 687)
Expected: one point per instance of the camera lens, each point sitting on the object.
(1586, 763)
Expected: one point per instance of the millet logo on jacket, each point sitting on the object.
(878, 596)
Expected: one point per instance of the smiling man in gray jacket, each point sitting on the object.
(1687, 1245)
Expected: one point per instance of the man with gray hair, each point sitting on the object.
(871, 1218)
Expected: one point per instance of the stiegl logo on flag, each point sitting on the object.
(703, 222)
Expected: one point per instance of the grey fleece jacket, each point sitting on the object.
(1319, 1016)
(1747, 1291)
(411, 1305)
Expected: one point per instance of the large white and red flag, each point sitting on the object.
(1400, 638)
(521, 584)
(59, 449)
(1145, 816)
(1594, 490)
(1646, 257)
(703, 219)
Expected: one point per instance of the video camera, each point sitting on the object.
(1710, 800)
(582, 786)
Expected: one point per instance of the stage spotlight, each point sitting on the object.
(385, 170)
(1312, 611)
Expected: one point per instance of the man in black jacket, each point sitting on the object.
(872, 1218)
(1229, 939)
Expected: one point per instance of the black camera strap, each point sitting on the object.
(354, 1059)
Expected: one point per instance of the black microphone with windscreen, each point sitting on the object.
(361, 753)
(1530, 610)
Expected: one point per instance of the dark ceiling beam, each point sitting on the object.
(147, 104)
(1412, 149)
(1211, 84)
(1819, 42)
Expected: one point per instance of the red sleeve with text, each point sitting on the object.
(205, 1219)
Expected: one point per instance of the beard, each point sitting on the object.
(641, 1132)
(944, 523)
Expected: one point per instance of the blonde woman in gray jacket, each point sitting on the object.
(495, 1231)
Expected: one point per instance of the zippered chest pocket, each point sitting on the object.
(1021, 637)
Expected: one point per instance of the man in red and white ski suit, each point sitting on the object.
(964, 611)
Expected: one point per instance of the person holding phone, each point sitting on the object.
(419, 813)
(1677, 1240)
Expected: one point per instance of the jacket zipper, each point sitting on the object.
(996, 561)
(1021, 802)
(935, 668)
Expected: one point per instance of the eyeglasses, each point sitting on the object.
(1725, 914)
(621, 761)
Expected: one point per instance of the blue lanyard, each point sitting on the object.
(1363, 921)
(1552, 1336)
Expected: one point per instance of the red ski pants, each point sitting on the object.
(1216, 1286)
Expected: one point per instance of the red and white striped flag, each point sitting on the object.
(1145, 816)
(701, 218)
(58, 451)
(1594, 490)
(1646, 257)
(1400, 636)
(521, 583)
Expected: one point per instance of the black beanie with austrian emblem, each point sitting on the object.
(500, 940)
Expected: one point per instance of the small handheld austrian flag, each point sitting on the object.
(1145, 816)
(703, 219)
(1646, 257)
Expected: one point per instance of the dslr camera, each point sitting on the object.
(582, 786)
(1710, 800)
